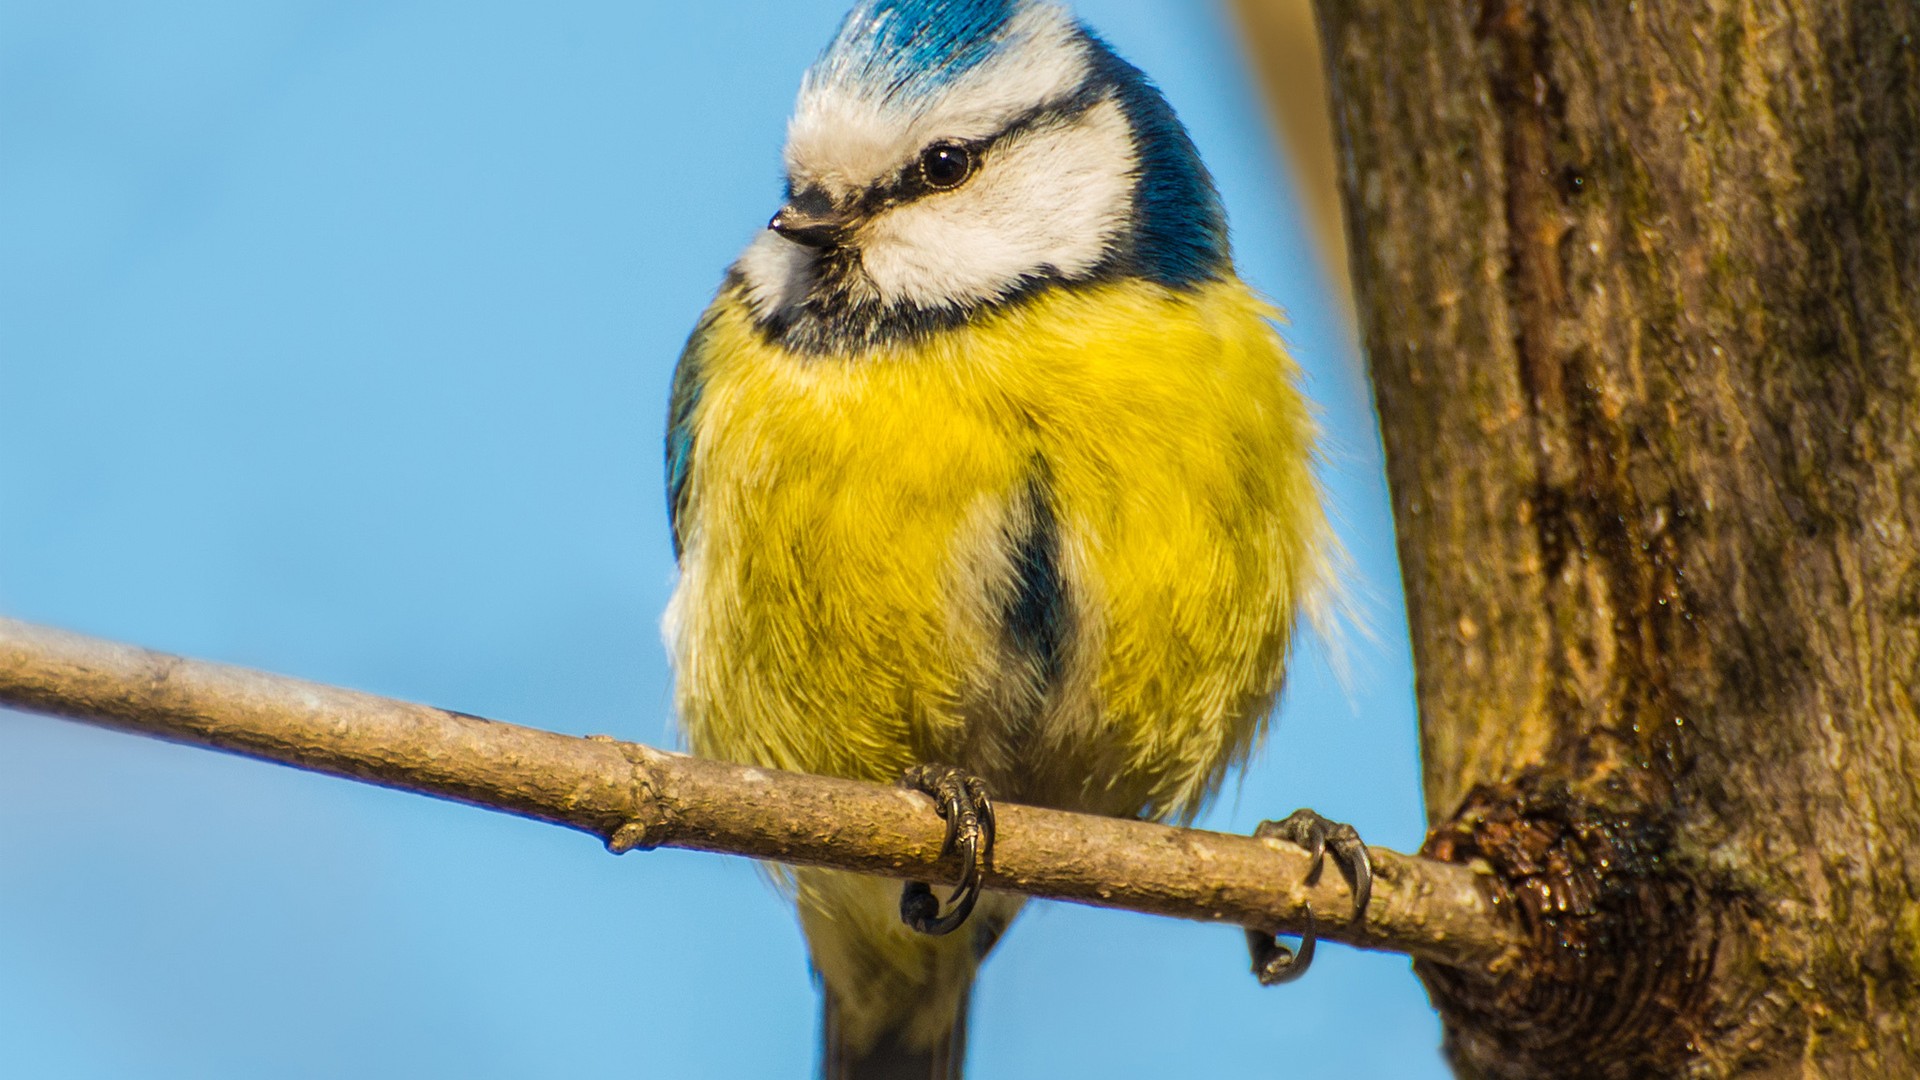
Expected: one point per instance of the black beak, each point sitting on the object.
(810, 219)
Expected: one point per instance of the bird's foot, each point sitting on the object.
(1274, 963)
(962, 800)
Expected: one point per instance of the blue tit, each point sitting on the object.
(983, 458)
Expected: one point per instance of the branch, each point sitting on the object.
(634, 797)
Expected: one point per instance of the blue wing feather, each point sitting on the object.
(688, 379)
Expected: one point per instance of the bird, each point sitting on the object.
(987, 474)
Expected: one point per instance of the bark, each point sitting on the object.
(1640, 287)
(633, 797)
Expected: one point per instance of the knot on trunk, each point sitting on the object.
(1610, 987)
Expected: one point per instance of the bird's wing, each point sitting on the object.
(687, 382)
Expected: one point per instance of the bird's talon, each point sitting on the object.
(1274, 963)
(964, 804)
(918, 906)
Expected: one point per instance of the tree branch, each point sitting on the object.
(634, 797)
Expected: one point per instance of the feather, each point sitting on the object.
(912, 47)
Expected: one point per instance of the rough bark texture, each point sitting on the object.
(1640, 285)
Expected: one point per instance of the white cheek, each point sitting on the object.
(777, 273)
(1054, 200)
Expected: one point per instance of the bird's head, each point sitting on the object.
(948, 156)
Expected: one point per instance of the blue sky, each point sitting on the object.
(334, 340)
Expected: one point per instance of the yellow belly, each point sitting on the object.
(846, 562)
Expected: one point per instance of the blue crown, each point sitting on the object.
(913, 47)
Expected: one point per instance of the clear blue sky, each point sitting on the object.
(334, 340)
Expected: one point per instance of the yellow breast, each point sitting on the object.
(848, 557)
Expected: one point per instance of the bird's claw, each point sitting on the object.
(1273, 962)
(962, 801)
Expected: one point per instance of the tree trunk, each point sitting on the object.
(1640, 287)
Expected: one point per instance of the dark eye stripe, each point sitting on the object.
(914, 181)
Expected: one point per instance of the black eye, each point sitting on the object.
(946, 166)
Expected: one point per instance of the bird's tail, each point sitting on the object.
(894, 1002)
(893, 1057)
